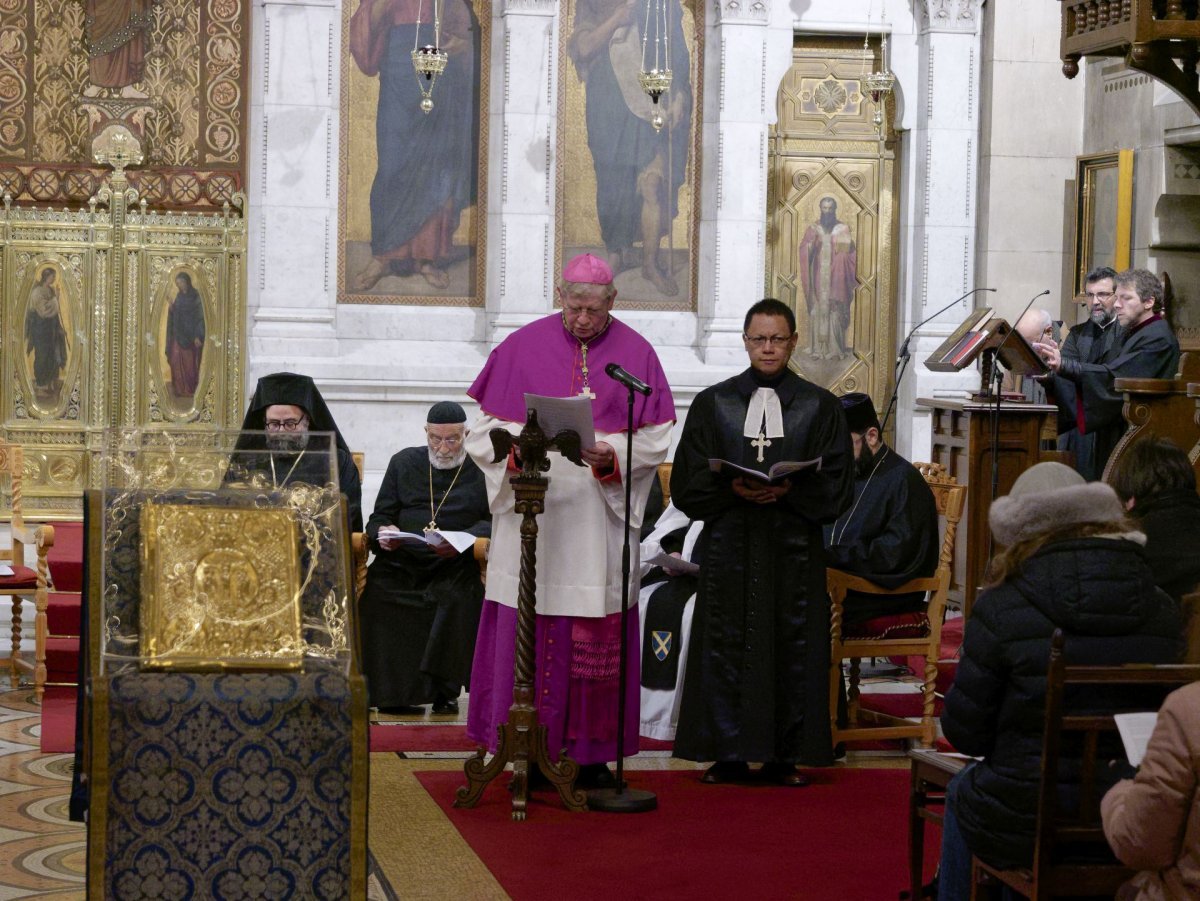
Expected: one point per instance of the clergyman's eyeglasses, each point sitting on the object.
(768, 340)
(452, 442)
(285, 425)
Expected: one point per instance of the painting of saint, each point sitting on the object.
(185, 338)
(638, 171)
(46, 341)
(828, 263)
(116, 40)
(426, 162)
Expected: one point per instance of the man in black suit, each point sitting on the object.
(1145, 349)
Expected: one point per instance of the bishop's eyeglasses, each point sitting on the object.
(285, 425)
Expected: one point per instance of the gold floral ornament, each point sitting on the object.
(220, 587)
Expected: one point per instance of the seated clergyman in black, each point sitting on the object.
(420, 611)
(890, 533)
(287, 406)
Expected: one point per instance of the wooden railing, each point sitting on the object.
(1158, 37)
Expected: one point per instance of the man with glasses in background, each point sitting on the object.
(1095, 340)
(757, 678)
(287, 407)
(420, 610)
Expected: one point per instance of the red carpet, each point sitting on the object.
(413, 737)
(58, 721)
(898, 704)
(844, 837)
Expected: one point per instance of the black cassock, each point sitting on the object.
(419, 612)
(757, 685)
(889, 535)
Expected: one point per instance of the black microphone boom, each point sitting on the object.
(902, 357)
(627, 379)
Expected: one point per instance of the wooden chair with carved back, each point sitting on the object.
(909, 634)
(1072, 858)
(19, 581)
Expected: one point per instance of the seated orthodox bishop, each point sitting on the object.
(420, 610)
(665, 605)
(889, 534)
(287, 406)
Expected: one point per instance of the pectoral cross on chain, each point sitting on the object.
(761, 442)
(586, 392)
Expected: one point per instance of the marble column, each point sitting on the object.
(292, 187)
(738, 107)
(522, 155)
(940, 236)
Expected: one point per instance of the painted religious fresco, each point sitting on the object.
(412, 203)
(628, 193)
(831, 218)
(47, 339)
(172, 71)
(182, 327)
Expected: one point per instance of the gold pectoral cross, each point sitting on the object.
(586, 392)
(432, 527)
(761, 442)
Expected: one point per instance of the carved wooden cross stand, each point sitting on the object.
(522, 739)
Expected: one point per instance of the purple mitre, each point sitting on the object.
(540, 358)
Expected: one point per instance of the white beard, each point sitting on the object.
(447, 462)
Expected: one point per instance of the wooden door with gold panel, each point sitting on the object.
(831, 253)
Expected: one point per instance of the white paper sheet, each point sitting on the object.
(558, 413)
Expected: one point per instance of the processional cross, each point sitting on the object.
(761, 442)
(522, 739)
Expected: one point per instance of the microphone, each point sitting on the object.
(904, 347)
(628, 380)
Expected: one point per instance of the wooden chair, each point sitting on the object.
(1090, 869)
(664, 481)
(914, 634)
(24, 581)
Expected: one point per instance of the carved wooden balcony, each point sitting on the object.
(1158, 37)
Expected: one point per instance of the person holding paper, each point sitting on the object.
(757, 682)
(1148, 349)
(581, 532)
(665, 605)
(1152, 822)
(420, 610)
(890, 533)
(1070, 561)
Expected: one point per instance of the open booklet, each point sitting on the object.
(676, 566)
(1135, 729)
(773, 476)
(460, 541)
(558, 413)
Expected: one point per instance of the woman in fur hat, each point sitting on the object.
(1070, 561)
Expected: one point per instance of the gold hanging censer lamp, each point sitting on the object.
(879, 84)
(655, 77)
(429, 61)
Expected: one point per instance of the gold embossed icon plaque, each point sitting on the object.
(220, 588)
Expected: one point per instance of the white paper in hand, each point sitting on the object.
(558, 413)
(1135, 729)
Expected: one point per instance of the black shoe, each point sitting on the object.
(726, 771)
(443, 705)
(595, 775)
(783, 774)
(402, 710)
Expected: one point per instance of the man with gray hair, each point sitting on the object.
(420, 610)
(1146, 348)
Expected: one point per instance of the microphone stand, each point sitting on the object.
(621, 799)
(903, 357)
(997, 379)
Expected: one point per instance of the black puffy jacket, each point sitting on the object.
(1101, 593)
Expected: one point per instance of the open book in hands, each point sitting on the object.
(446, 543)
(773, 476)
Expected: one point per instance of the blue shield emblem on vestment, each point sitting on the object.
(662, 644)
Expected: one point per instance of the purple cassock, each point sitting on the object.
(580, 538)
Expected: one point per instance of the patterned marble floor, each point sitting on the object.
(42, 853)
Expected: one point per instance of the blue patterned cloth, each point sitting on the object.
(231, 786)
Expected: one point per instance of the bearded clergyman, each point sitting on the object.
(420, 611)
